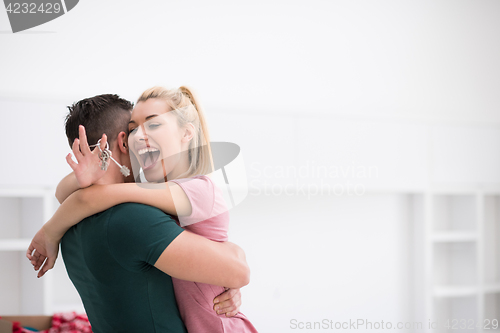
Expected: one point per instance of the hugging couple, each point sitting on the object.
(150, 256)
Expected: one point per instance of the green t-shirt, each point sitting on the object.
(109, 258)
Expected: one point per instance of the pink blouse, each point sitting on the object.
(209, 218)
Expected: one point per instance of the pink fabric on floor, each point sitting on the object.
(69, 322)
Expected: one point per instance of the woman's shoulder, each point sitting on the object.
(199, 183)
(200, 192)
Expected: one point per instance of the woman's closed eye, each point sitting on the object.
(153, 126)
(149, 126)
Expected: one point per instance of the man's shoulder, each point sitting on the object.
(131, 210)
(137, 234)
(133, 215)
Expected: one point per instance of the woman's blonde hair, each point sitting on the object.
(186, 107)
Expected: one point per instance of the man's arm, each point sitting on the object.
(143, 234)
(194, 258)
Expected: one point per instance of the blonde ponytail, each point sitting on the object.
(205, 161)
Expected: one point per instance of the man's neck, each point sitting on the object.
(113, 174)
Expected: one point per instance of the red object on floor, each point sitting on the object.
(69, 322)
(16, 328)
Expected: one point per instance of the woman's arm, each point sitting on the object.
(169, 197)
(66, 187)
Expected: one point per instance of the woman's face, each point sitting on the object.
(156, 141)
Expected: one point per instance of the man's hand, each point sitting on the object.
(228, 302)
(44, 248)
(88, 169)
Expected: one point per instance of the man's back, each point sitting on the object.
(109, 258)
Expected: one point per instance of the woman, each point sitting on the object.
(168, 138)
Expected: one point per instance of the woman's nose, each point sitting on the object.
(140, 134)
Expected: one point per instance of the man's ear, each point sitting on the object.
(188, 132)
(122, 142)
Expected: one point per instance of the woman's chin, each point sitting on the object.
(155, 174)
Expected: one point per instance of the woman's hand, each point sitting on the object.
(88, 169)
(228, 302)
(44, 247)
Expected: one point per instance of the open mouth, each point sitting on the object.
(149, 156)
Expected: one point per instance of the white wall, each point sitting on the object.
(416, 59)
(336, 258)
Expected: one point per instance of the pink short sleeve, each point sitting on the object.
(209, 213)
(200, 192)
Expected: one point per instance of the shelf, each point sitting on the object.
(14, 244)
(454, 236)
(492, 288)
(22, 292)
(455, 264)
(461, 291)
(492, 311)
(25, 192)
(464, 188)
(456, 212)
(454, 291)
(447, 309)
(22, 212)
(22, 217)
(462, 245)
(491, 239)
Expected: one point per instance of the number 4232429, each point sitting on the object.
(33, 8)
(455, 324)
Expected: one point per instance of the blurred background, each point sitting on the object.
(370, 132)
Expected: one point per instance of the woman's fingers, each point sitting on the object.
(229, 308)
(36, 259)
(232, 313)
(35, 255)
(84, 144)
(227, 295)
(81, 147)
(39, 262)
(228, 302)
(104, 140)
(29, 251)
(71, 163)
(49, 264)
(76, 150)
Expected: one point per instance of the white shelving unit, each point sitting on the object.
(491, 269)
(22, 212)
(462, 258)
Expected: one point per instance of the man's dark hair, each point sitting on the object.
(108, 114)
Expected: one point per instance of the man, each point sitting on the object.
(121, 260)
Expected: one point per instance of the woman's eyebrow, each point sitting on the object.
(147, 118)
(151, 116)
